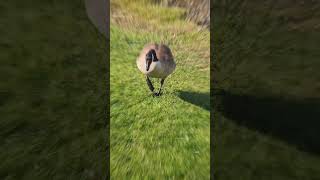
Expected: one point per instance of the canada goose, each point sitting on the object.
(156, 61)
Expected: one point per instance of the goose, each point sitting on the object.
(156, 61)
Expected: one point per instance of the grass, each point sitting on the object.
(52, 95)
(167, 136)
(266, 105)
(197, 10)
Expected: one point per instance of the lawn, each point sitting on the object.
(53, 92)
(266, 103)
(167, 136)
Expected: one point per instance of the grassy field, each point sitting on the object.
(52, 92)
(267, 89)
(158, 137)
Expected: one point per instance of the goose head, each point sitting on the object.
(151, 56)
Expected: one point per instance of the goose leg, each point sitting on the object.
(150, 84)
(162, 82)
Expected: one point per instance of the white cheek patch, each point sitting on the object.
(156, 65)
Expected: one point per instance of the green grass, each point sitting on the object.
(266, 116)
(53, 92)
(158, 137)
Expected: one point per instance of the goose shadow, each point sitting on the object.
(199, 99)
(296, 121)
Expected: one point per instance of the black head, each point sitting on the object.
(151, 56)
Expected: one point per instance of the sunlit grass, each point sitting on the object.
(164, 137)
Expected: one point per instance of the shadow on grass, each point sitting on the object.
(294, 121)
(199, 99)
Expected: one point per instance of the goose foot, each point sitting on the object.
(157, 94)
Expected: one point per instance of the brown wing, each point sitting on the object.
(164, 53)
